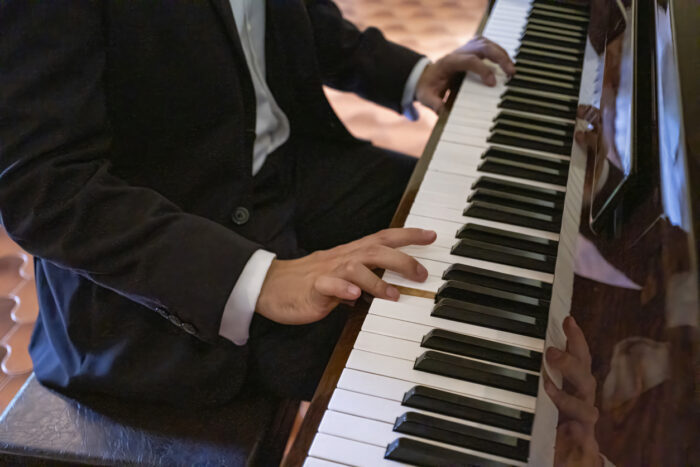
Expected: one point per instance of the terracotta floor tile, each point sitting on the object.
(27, 309)
(10, 275)
(7, 306)
(17, 360)
(27, 270)
(433, 28)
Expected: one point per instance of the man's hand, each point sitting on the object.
(305, 290)
(436, 77)
(576, 444)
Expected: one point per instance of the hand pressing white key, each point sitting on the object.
(436, 77)
(305, 290)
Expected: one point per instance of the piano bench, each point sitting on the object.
(41, 427)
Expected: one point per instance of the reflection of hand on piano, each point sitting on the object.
(436, 77)
(305, 290)
(576, 443)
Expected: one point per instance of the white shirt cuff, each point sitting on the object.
(239, 309)
(409, 90)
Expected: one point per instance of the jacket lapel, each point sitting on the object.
(223, 8)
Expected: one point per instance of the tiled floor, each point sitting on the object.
(18, 311)
(432, 27)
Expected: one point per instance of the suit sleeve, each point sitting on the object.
(58, 197)
(364, 62)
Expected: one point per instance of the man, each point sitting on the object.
(171, 165)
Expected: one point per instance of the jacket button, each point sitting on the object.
(240, 216)
(175, 320)
(188, 328)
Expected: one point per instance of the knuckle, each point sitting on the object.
(351, 267)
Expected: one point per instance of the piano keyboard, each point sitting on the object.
(455, 381)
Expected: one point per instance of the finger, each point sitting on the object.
(576, 372)
(498, 54)
(360, 275)
(433, 100)
(384, 257)
(396, 238)
(331, 286)
(576, 341)
(569, 406)
(469, 62)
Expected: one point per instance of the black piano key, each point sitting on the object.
(467, 408)
(504, 255)
(490, 317)
(457, 434)
(539, 83)
(558, 5)
(537, 105)
(523, 140)
(473, 371)
(539, 17)
(542, 56)
(507, 206)
(528, 167)
(510, 239)
(534, 126)
(563, 17)
(415, 452)
(499, 281)
(535, 42)
(469, 346)
(515, 201)
(512, 216)
(555, 75)
(547, 194)
(549, 67)
(548, 29)
(554, 39)
(501, 299)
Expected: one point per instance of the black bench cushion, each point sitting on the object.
(43, 425)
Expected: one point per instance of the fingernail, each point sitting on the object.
(421, 271)
(392, 292)
(491, 80)
(428, 233)
(554, 354)
(353, 290)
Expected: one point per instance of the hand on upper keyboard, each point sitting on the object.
(305, 290)
(576, 444)
(436, 77)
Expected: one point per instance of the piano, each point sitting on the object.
(570, 188)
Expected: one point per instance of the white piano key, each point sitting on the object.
(385, 410)
(316, 462)
(414, 332)
(449, 200)
(455, 215)
(405, 349)
(403, 369)
(416, 310)
(382, 434)
(444, 255)
(431, 284)
(349, 452)
(457, 155)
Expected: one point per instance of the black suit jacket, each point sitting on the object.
(126, 135)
